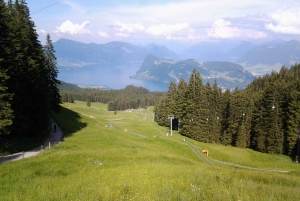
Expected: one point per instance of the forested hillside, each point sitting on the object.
(130, 97)
(265, 116)
(28, 73)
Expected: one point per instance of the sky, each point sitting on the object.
(166, 21)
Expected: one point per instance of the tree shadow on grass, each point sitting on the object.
(69, 121)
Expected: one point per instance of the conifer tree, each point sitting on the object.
(215, 107)
(170, 101)
(293, 121)
(52, 72)
(26, 74)
(180, 102)
(5, 96)
(194, 121)
(226, 138)
(88, 102)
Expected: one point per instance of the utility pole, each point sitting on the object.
(171, 117)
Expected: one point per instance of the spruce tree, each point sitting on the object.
(180, 102)
(27, 74)
(293, 120)
(52, 73)
(194, 123)
(88, 102)
(5, 96)
(215, 107)
(226, 138)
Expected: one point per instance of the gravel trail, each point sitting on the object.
(54, 138)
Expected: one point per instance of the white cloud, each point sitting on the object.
(122, 35)
(128, 28)
(103, 34)
(43, 32)
(167, 29)
(223, 29)
(286, 21)
(73, 29)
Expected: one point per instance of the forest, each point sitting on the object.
(28, 75)
(131, 97)
(265, 116)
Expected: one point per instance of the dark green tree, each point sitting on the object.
(54, 97)
(88, 102)
(5, 96)
(293, 121)
(27, 74)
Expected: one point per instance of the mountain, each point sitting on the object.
(228, 75)
(217, 51)
(285, 53)
(71, 53)
(237, 52)
(162, 52)
(209, 51)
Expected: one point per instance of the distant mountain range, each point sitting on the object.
(226, 60)
(228, 75)
(258, 59)
(75, 54)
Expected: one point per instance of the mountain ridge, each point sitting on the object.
(71, 53)
(227, 74)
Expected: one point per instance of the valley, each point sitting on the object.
(101, 162)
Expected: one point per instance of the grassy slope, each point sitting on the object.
(101, 162)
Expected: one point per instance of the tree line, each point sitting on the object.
(131, 97)
(265, 116)
(28, 74)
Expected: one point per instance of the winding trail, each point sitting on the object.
(54, 138)
(199, 154)
(250, 168)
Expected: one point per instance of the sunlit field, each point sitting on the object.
(126, 156)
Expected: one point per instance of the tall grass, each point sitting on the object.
(98, 161)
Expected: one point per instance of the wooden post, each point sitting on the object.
(49, 145)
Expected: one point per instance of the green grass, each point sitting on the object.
(100, 162)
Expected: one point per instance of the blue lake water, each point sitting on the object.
(114, 77)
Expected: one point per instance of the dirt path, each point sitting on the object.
(250, 168)
(54, 138)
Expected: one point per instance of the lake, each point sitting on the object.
(114, 77)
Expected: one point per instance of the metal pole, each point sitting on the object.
(171, 125)
(171, 117)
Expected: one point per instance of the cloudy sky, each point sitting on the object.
(166, 21)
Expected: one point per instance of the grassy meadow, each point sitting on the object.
(125, 156)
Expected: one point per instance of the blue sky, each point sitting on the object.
(163, 22)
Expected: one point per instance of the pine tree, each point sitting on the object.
(180, 102)
(170, 101)
(293, 120)
(26, 74)
(215, 107)
(194, 123)
(225, 137)
(88, 102)
(52, 72)
(5, 96)
(5, 106)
